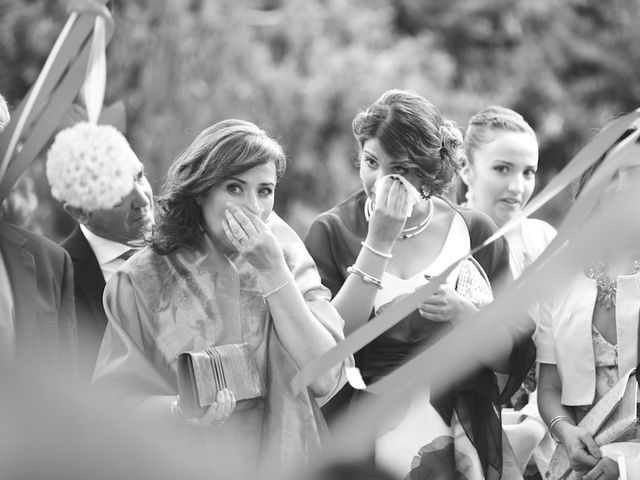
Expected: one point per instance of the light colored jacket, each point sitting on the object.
(563, 336)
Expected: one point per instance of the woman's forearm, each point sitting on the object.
(354, 302)
(550, 402)
(356, 298)
(301, 333)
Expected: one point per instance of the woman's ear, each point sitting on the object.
(466, 174)
(199, 200)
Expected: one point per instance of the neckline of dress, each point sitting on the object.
(447, 244)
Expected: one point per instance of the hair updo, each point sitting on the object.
(409, 126)
(484, 124)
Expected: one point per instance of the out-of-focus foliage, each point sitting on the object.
(303, 69)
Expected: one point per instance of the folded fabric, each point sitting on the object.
(612, 418)
(627, 456)
(412, 192)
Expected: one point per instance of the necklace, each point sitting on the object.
(607, 287)
(406, 232)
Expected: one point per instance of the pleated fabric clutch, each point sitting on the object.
(202, 374)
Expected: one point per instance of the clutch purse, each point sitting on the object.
(611, 419)
(473, 283)
(202, 374)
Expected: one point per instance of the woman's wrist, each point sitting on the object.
(467, 308)
(273, 278)
(378, 244)
(558, 427)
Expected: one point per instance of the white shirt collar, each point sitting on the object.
(104, 249)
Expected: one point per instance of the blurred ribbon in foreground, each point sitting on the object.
(77, 54)
(600, 221)
(595, 149)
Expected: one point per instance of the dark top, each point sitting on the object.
(88, 288)
(41, 278)
(334, 243)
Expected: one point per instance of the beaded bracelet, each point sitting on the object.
(376, 252)
(275, 290)
(554, 422)
(366, 278)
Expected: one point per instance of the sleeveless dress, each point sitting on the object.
(416, 424)
(334, 243)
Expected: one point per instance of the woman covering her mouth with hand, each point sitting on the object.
(222, 268)
(386, 240)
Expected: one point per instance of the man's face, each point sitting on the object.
(128, 220)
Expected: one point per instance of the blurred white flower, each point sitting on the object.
(91, 166)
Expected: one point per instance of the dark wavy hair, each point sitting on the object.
(219, 152)
(408, 125)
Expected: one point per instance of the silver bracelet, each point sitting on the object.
(554, 422)
(275, 290)
(376, 252)
(366, 278)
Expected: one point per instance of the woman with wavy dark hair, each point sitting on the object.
(223, 268)
(391, 237)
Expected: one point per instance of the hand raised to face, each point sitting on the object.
(389, 214)
(252, 238)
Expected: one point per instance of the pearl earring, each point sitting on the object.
(468, 196)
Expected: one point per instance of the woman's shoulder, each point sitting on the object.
(142, 259)
(539, 228)
(145, 267)
(348, 214)
(479, 223)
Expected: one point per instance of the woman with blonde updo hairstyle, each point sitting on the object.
(500, 176)
(389, 238)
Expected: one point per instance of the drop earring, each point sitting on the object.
(423, 193)
(468, 196)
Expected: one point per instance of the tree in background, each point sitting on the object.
(303, 69)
